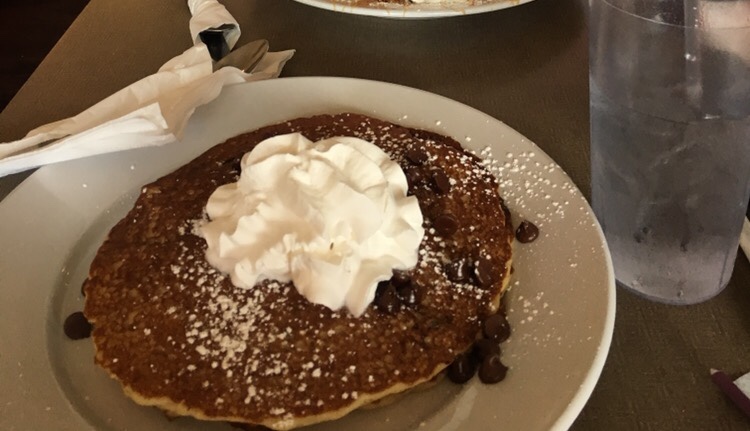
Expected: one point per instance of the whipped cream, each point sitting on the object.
(331, 216)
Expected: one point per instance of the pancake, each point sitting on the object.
(178, 335)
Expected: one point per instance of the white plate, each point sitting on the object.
(446, 8)
(561, 305)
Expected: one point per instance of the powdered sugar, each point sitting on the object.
(524, 179)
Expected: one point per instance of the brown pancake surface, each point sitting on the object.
(178, 335)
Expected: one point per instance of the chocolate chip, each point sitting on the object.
(496, 328)
(76, 327)
(387, 299)
(485, 272)
(235, 163)
(484, 348)
(458, 270)
(400, 278)
(492, 370)
(441, 181)
(462, 369)
(408, 294)
(506, 211)
(417, 155)
(380, 289)
(445, 224)
(527, 232)
(414, 175)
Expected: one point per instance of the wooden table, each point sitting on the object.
(526, 66)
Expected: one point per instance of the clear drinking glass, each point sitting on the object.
(670, 140)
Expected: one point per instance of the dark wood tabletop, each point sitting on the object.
(527, 66)
(29, 29)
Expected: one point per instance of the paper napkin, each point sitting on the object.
(152, 111)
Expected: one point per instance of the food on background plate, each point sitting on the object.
(297, 272)
(410, 2)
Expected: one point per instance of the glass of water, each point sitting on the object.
(670, 140)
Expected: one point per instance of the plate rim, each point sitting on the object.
(417, 11)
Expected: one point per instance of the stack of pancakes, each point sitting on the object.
(178, 335)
